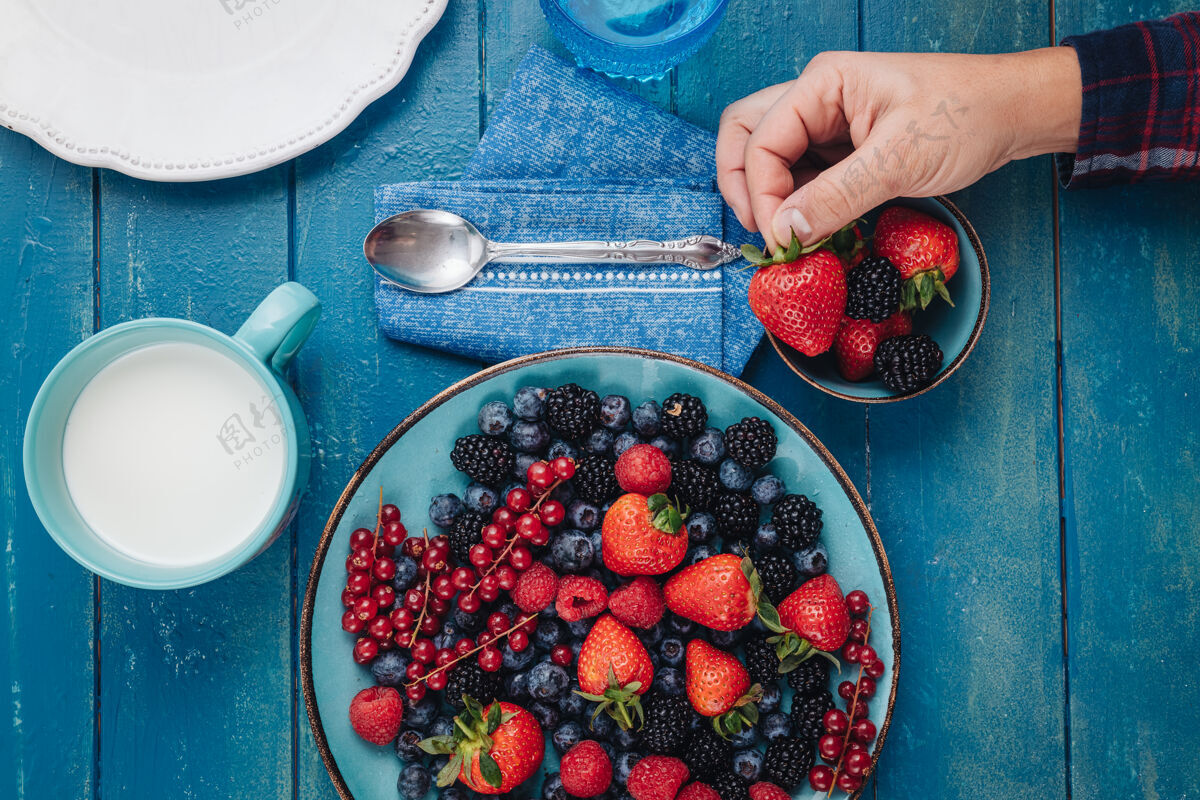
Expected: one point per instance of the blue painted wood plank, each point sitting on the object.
(355, 384)
(964, 486)
(47, 672)
(1131, 376)
(196, 696)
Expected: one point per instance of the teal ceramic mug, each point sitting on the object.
(161, 453)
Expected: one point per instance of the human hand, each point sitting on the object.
(858, 129)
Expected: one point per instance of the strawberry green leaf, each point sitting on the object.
(657, 502)
(506, 716)
(490, 770)
(437, 745)
(449, 773)
(925, 288)
(753, 254)
(770, 617)
(474, 708)
(940, 288)
(793, 249)
(908, 296)
(493, 718)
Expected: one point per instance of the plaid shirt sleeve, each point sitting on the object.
(1141, 104)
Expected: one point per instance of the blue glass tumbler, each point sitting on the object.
(633, 38)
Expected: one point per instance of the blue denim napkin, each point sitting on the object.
(567, 155)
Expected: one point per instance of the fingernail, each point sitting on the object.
(789, 221)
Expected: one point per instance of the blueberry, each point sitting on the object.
(549, 632)
(623, 739)
(671, 651)
(623, 442)
(567, 736)
(442, 726)
(599, 441)
(495, 418)
(389, 668)
(406, 573)
(455, 793)
(563, 493)
(812, 561)
(420, 715)
(468, 623)
(517, 662)
(615, 412)
(651, 636)
(766, 537)
(547, 681)
(529, 437)
(448, 635)
(529, 403)
(443, 509)
(647, 419)
(602, 726)
(579, 630)
(606, 746)
(708, 447)
(669, 681)
(572, 704)
(562, 449)
(734, 476)
(596, 537)
(680, 626)
(624, 765)
(481, 499)
(572, 551)
(521, 465)
(767, 490)
(743, 738)
(509, 609)
(669, 446)
(406, 745)
(414, 782)
(724, 639)
(770, 698)
(517, 686)
(775, 725)
(701, 526)
(748, 764)
(699, 553)
(583, 515)
(547, 715)
(552, 788)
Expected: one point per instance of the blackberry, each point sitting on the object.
(807, 714)
(707, 754)
(469, 679)
(907, 363)
(485, 458)
(736, 514)
(751, 442)
(595, 480)
(572, 410)
(761, 661)
(668, 723)
(778, 575)
(683, 416)
(466, 531)
(797, 520)
(810, 678)
(694, 484)
(787, 762)
(731, 786)
(873, 290)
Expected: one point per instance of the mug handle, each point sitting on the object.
(281, 324)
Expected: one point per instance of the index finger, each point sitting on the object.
(737, 123)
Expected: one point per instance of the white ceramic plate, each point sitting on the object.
(193, 90)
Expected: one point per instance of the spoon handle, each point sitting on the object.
(694, 252)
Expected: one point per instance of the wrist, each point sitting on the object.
(1046, 109)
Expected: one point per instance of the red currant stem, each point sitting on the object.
(516, 537)
(853, 706)
(428, 579)
(469, 653)
(378, 524)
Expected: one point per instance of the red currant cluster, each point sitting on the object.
(369, 594)
(849, 733)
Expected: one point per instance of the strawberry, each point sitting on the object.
(614, 669)
(857, 339)
(643, 469)
(376, 714)
(585, 769)
(699, 791)
(643, 535)
(924, 249)
(718, 686)
(811, 620)
(799, 294)
(764, 790)
(536, 588)
(721, 592)
(639, 603)
(657, 778)
(492, 750)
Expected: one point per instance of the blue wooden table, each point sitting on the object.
(1039, 509)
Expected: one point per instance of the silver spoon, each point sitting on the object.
(436, 251)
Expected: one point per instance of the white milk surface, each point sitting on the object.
(174, 454)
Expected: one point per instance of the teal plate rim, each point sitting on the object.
(306, 614)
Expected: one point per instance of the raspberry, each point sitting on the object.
(644, 469)
(536, 588)
(656, 778)
(639, 603)
(585, 769)
(376, 714)
(701, 791)
(763, 790)
(580, 597)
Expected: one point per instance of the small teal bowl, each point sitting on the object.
(412, 464)
(955, 328)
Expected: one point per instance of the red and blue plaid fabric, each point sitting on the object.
(1141, 104)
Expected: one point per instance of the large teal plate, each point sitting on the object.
(412, 464)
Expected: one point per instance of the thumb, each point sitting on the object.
(836, 196)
